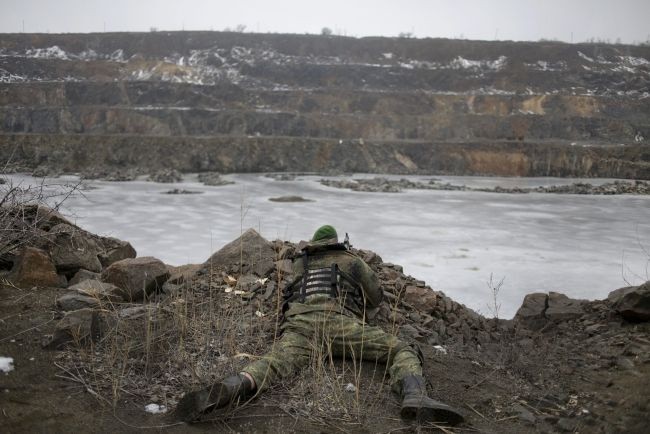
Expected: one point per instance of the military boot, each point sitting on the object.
(417, 405)
(226, 393)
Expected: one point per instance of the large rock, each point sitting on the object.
(253, 251)
(73, 248)
(562, 308)
(82, 275)
(136, 277)
(115, 250)
(80, 327)
(619, 293)
(421, 298)
(531, 312)
(90, 293)
(34, 267)
(634, 305)
(74, 301)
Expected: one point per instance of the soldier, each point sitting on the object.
(327, 301)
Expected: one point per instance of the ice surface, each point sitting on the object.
(584, 246)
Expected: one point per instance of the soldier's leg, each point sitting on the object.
(287, 356)
(351, 337)
(290, 353)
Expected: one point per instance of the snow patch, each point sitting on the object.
(155, 408)
(584, 56)
(6, 364)
(462, 63)
(634, 61)
(387, 55)
(543, 65)
(53, 52)
(117, 55)
(8, 77)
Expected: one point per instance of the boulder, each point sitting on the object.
(115, 250)
(166, 176)
(89, 293)
(74, 301)
(635, 305)
(531, 312)
(137, 278)
(82, 275)
(95, 288)
(562, 308)
(34, 267)
(617, 294)
(73, 248)
(421, 298)
(80, 327)
(253, 251)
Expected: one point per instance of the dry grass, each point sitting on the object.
(25, 210)
(202, 333)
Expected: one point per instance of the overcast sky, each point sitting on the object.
(628, 20)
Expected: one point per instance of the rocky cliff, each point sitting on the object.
(246, 102)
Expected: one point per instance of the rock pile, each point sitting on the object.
(213, 179)
(235, 297)
(166, 176)
(113, 175)
(51, 242)
(384, 185)
(610, 188)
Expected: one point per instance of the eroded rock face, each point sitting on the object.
(252, 251)
(73, 249)
(634, 305)
(136, 277)
(34, 267)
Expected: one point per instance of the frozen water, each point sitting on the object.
(584, 246)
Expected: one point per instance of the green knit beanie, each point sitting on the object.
(325, 232)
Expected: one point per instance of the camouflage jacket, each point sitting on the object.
(360, 291)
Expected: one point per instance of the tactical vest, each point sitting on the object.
(331, 281)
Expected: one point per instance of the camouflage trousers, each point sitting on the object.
(321, 334)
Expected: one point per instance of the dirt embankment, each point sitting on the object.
(136, 333)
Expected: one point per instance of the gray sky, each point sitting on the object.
(628, 20)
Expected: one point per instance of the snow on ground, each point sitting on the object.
(155, 408)
(6, 364)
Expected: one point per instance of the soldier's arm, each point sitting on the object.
(370, 285)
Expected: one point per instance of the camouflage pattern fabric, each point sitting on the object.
(319, 333)
(321, 325)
